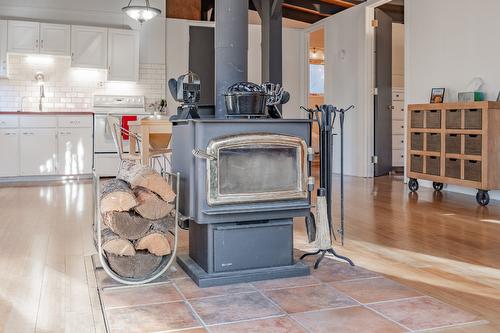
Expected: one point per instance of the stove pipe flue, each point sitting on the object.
(231, 48)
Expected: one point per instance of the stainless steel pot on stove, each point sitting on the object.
(246, 99)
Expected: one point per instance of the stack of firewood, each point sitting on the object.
(137, 211)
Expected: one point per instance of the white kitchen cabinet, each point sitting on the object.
(75, 153)
(9, 143)
(38, 151)
(3, 48)
(23, 37)
(123, 55)
(89, 47)
(55, 39)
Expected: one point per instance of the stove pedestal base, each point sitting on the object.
(204, 279)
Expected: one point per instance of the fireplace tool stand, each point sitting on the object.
(325, 117)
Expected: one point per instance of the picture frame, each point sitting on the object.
(437, 95)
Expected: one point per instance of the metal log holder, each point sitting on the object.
(325, 117)
(166, 261)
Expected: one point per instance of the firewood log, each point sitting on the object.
(117, 196)
(139, 265)
(151, 206)
(139, 175)
(112, 243)
(155, 240)
(127, 225)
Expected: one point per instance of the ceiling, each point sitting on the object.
(311, 11)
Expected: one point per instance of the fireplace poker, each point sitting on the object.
(325, 117)
(341, 113)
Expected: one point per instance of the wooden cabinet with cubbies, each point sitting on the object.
(455, 143)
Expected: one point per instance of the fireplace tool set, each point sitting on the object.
(321, 230)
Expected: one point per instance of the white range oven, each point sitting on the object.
(125, 108)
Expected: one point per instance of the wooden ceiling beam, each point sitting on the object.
(340, 3)
(304, 10)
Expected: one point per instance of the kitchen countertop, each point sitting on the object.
(48, 113)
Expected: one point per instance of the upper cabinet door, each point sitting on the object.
(89, 47)
(123, 55)
(55, 39)
(23, 37)
(3, 48)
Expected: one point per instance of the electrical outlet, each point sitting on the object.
(100, 84)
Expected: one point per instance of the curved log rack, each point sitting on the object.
(166, 261)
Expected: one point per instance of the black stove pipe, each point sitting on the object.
(231, 48)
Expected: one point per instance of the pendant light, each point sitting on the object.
(141, 13)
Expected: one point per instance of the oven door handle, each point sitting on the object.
(199, 153)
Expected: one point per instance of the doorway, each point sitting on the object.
(389, 130)
(316, 79)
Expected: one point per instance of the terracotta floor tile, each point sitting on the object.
(331, 270)
(140, 295)
(104, 280)
(191, 330)
(423, 313)
(151, 318)
(311, 298)
(269, 325)
(355, 319)
(175, 272)
(229, 308)
(190, 290)
(286, 283)
(374, 290)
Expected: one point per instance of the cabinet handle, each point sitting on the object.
(41, 44)
(74, 121)
(36, 43)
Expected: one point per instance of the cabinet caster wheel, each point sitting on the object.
(413, 185)
(483, 198)
(437, 186)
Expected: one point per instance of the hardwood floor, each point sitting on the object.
(440, 244)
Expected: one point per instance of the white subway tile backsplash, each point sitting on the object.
(71, 88)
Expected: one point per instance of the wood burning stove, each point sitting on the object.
(243, 182)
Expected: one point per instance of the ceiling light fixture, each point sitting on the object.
(141, 13)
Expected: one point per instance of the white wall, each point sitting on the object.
(448, 42)
(345, 84)
(94, 12)
(177, 55)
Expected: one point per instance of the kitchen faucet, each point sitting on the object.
(39, 77)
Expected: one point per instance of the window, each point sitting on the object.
(316, 79)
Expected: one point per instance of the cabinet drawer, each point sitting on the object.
(38, 121)
(74, 121)
(398, 157)
(398, 141)
(398, 110)
(398, 127)
(398, 96)
(9, 121)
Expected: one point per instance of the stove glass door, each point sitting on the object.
(256, 168)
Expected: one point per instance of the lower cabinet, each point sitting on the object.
(46, 145)
(9, 143)
(38, 151)
(74, 151)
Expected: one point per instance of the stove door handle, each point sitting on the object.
(199, 153)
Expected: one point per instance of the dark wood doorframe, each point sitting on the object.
(383, 97)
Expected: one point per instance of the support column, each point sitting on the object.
(271, 14)
(231, 48)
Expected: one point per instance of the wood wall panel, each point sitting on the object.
(183, 9)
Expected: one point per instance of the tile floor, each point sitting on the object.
(334, 298)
